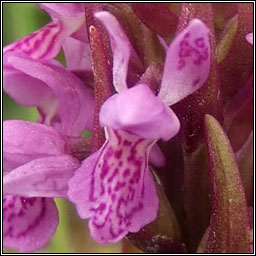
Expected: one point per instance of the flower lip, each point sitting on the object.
(138, 111)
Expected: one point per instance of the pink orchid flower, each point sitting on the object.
(114, 187)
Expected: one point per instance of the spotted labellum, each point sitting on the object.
(164, 167)
(118, 191)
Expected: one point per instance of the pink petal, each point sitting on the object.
(25, 141)
(121, 49)
(156, 157)
(117, 191)
(81, 34)
(138, 111)
(187, 63)
(78, 191)
(75, 100)
(80, 58)
(28, 223)
(45, 43)
(63, 9)
(249, 38)
(72, 16)
(29, 92)
(42, 177)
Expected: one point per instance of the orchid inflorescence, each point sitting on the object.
(120, 178)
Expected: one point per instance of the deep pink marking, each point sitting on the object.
(127, 143)
(109, 153)
(113, 234)
(119, 185)
(131, 194)
(184, 44)
(98, 226)
(136, 144)
(21, 213)
(49, 48)
(8, 204)
(115, 172)
(104, 169)
(181, 64)
(37, 42)
(118, 137)
(27, 39)
(126, 172)
(91, 196)
(102, 189)
(118, 154)
(120, 202)
(52, 41)
(36, 222)
(120, 163)
(113, 197)
(27, 201)
(185, 52)
(11, 216)
(187, 35)
(135, 209)
(100, 208)
(136, 177)
(138, 163)
(131, 158)
(200, 42)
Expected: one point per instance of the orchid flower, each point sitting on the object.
(40, 159)
(33, 78)
(38, 164)
(72, 13)
(114, 187)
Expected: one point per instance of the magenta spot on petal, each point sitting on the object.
(118, 137)
(118, 153)
(113, 197)
(181, 64)
(115, 172)
(101, 207)
(109, 153)
(136, 177)
(104, 170)
(130, 158)
(112, 233)
(187, 35)
(198, 53)
(126, 173)
(120, 163)
(200, 42)
(21, 213)
(11, 216)
(102, 189)
(185, 52)
(127, 143)
(119, 185)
